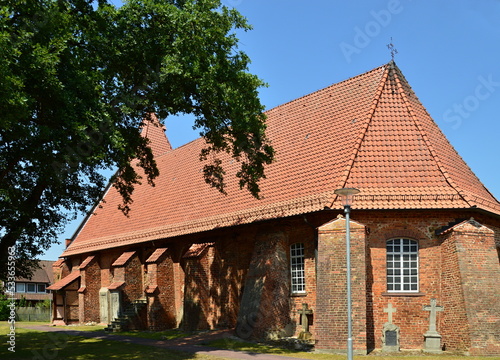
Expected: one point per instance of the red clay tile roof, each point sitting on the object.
(370, 132)
(196, 250)
(58, 263)
(461, 224)
(155, 132)
(156, 255)
(61, 284)
(87, 261)
(122, 260)
(116, 285)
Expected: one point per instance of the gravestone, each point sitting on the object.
(390, 332)
(115, 304)
(305, 334)
(104, 305)
(432, 337)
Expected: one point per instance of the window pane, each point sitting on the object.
(41, 288)
(20, 287)
(402, 265)
(30, 287)
(297, 267)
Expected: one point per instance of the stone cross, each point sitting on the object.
(390, 310)
(303, 316)
(433, 308)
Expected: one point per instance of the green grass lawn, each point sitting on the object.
(37, 345)
(71, 327)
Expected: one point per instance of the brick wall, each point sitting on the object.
(234, 252)
(90, 284)
(197, 291)
(410, 316)
(305, 236)
(455, 325)
(331, 302)
(265, 305)
(223, 276)
(178, 273)
(479, 274)
(161, 303)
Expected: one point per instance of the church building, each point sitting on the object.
(424, 230)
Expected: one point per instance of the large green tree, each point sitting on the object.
(77, 78)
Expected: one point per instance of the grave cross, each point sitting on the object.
(390, 310)
(433, 308)
(303, 316)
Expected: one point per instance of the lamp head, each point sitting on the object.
(346, 195)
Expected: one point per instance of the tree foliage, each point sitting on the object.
(77, 78)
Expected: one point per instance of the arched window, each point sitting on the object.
(402, 265)
(297, 268)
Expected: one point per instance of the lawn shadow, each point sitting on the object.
(64, 344)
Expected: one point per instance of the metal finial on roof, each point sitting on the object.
(392, 49)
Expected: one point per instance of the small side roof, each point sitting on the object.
(61, 284)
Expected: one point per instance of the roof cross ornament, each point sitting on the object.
(392, 49)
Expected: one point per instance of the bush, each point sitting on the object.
(22, 302)
(4, 307)
(45, 304)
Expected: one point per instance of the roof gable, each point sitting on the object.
(155, 131)
(370, 132)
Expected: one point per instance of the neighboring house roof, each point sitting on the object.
(370, 132)
(42, 275)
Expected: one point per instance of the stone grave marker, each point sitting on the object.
(390, 332)
(305, 334)
(432, 337)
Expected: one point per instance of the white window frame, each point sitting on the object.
(402, 265)
(297, 269)
(44, 291)
(23, 287)
(34, 288)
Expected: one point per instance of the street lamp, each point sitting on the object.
(346, 195)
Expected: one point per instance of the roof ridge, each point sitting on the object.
(324, 88)
(364, 128)
(425, 137)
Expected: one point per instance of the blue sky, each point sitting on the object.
(449, 51)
